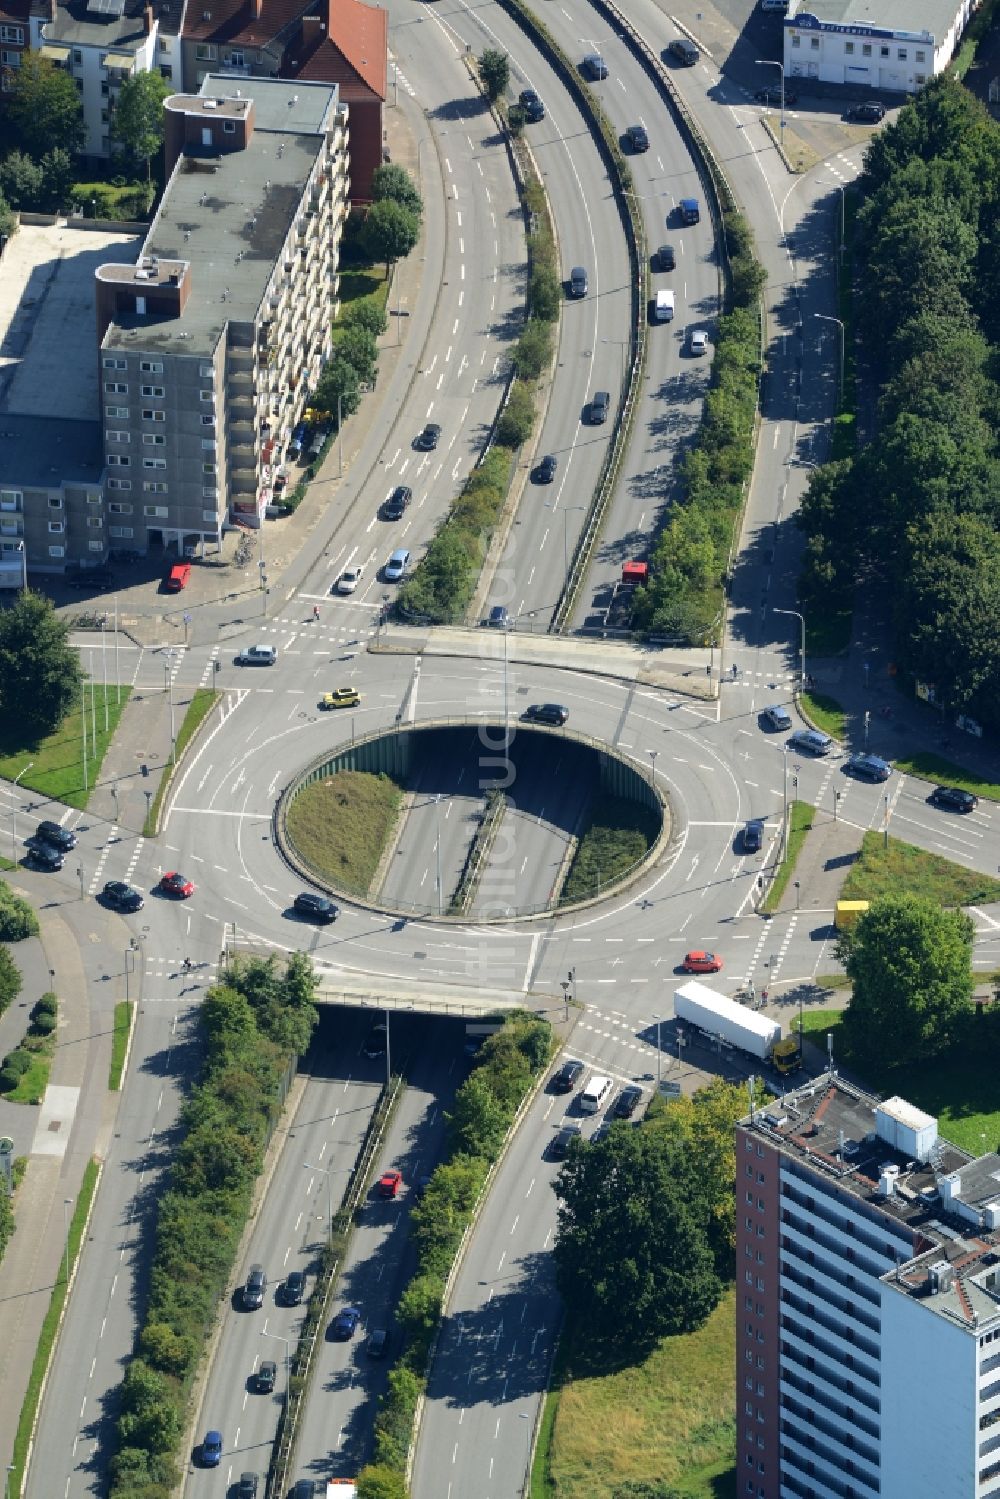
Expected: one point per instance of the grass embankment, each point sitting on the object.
(57, 768)
(667, 1420)
(933, 768)
(119, 1042)
(197, 710)
(800, 820)
(826, 713)
(903, 869)
(32, 1084)
(367, 283)
(617, 835)
(340, 825)
(50, 1327)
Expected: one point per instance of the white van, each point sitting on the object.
(595, 1095)
(663, 310)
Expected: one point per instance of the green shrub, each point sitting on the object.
(47, 1004)
(18, 1061)
(44, 1024)
(379, 1482)
(394, 1422)
(533, 349)
(517, 417)
(17, 919)
(10, 980)
(441, 585)
(367, 313)
(9, 1079)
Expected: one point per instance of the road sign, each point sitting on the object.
(670, 1090)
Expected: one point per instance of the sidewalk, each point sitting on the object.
(829, 850)
(59, 1138)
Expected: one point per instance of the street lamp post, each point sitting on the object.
(130, 952)
(659, 1054)
(801, 619)
(652, 755)
(825, 317)
(6, 1481)
(13, 813)
(769, 62)
(169, 686)
(67, 1203)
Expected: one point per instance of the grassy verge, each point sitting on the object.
(832, 981)
(800, 820)
(198, 709)
(340, 825)
(933, 768)
(6, 864)
(119, 1042)
(668, 1419)
(50, 1327)
(57, 768)
(32, 1084)
(617, 836)
(826, 713)
(901, 868)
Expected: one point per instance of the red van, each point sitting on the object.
(178, 577)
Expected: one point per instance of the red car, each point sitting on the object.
(176, 884)
(702, 962)
(178, 577)
(389, 1183)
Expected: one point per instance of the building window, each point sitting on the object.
(110, 363)
(209, 515)
(207, 395)
(921, 78)
(149, 367)
(12, 34)
(156, 511)
(164, 44)
(883, 52)
(116, 413)
(206, 372)
(154, 416)
(209, 494)
(95, 522)
(56, 528)
(208, 444)
(154, 486)
(849, 48)
(208, 421)
(204, 53)
(208, 468)
(119, 484)
(118, 436)
(901, 54)
(120, 533)
(153, 439)
(154, 463)
(57, 551)
(814, 43)
(115, 508)
(95, 546)
(236, 58)
(155, 391)
(866, 49)
(166, 71)
(77, 57)
(920, 56)
(112, 388)
(55, 503)
(120, 460)
(796, 41)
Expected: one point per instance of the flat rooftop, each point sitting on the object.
(919, 18)
(230, 215)
(42, 452)
(48, 330)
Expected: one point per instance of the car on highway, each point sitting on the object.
(637, 137)
(267, 1374)
(870, 113)
(578, 283)
(341, 697)
(315, 907)
(345, 1324)
(389, 1184)
(868, 767)
(700, 961)
(753, 835)
(427, 440)
(376, 1040)
(121, 896)
(531, 104)
(599, 407)
(698, 342)
(397, 502)
(350, 578)
(254, 1288)
(43, 856)
(664, 259)
(377, 1345)
(305, 1488)
(498, 619)
(395, 569)
(773, 96)
(257, 655)
(627, 1102)
(173, 883)
(57, 836)
(545, 470)
(569, 1074)
(211, 1449)
(953, 799)
(294, 1288)
(248, 1486)
(561, 1141)
(552, 713)
(594, 66)
(776, 717)
(810, 741)
(684, 52)
(689, 211)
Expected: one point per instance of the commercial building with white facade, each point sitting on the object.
(868, 1303)
(889, 45)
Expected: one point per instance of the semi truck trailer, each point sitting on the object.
(725, 1020)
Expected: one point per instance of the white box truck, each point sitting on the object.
(715, 1015)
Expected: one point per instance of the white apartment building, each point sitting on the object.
(894, 45)
(100, 43)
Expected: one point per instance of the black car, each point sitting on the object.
(427, 440)
(377, 1345)
(568, 1076)
(266, 1376)
(253, 1291)
(953, 799)
(304, 1489)
(534, 109)
(578, 283)
(868, 767)
(562, 1140)
(753, 835)
(627, 1102)
(665, 258)
(545, 471)
(397, 502)
(315, 907)
(248, 1486)
(43, 856)
(294, 1288)
(51, 832)
(90, 577)
(553, 713)
(123, 897)
(773, 96)
(871, 113)
(637, 137)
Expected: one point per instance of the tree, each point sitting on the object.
(911, 967)
(8, 218)
(377, 1481)
(10, 980)
(137, 123)
(395, 183)
(478, 1121)
(494, 70)
(517, 417)
(367, 314)
(44, 106)
(533, 349)
(390, 231)
(57, 179)
(544, 294)
(358, 347)
(40, 677)
(338, 392)
(633, 1258)
(21, 181)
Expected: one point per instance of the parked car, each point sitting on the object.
(256, 655)
(397, 502)
(350, 578)
(569, 1074)
(294, 1288)
(345, 1323)
(594, 66)
(700, 961)
(177, 578)
(810, 741)
(427, 440)
(57, 836)
(753, 835)
(176, 884)
(122, 896)
(870, 113)
(627, 1102)
(776, 717)
(389, 1184)
(341, 697)
(868, 767)
(211, 1449)
(578, 283)
(552, 713)
(953, 799)
(305, 1488)
(637, 137)
(253, 1290)
(531, 104)
(562, 1140)
(545, 470)
(315, 907)
(267, 1374)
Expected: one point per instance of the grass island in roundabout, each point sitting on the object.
(472, 820)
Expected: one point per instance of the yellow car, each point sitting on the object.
(343, 697)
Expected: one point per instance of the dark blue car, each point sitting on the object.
(344, 1324)
(211, 1449)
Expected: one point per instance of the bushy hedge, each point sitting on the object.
(7, 1204)
(17, 919)
(485, 1106)
(442, 583)
(10, 980)
(252, 1024)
